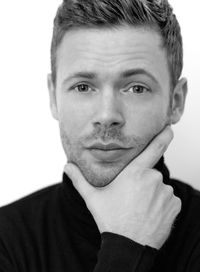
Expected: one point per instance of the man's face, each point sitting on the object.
(113, 87)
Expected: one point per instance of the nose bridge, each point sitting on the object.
(109, 110)
(109, 101)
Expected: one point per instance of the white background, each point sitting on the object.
(31, 155)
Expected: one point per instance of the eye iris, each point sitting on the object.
(83, 88)
(138, 89)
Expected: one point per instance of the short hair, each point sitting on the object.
(73, 14)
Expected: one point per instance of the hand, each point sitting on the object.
(136, 204)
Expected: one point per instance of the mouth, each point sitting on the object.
(107, 153)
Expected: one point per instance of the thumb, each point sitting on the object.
(78, 180)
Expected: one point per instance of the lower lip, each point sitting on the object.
(108, 155)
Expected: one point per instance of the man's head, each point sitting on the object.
(115, 79)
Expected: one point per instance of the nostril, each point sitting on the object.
(107, 125)
(115, 124)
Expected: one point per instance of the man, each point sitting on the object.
(115, 89)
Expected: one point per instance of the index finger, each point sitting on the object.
(155, 150)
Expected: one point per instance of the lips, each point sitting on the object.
(107, 153)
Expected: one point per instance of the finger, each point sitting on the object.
(155, 150)
(78, 180)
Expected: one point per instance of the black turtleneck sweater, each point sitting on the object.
(53, 231)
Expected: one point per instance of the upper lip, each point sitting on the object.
(111, 146)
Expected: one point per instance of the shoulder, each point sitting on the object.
(189, 216)
(28, 208)
(23, 224)
(188, 194)
(188, 230)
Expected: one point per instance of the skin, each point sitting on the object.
(137, 204)
(128, 111)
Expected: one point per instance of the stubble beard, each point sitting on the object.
(100, 174)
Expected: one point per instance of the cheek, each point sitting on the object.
(148, 120)
(74, 119)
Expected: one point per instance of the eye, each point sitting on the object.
(83, 88)
(138, 89)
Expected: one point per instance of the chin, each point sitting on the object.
(100, 179)
(100, 174)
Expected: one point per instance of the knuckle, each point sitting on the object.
(153, 176)
(137, 170)
(169, 189)
(178, 203)
(157, 176)
(138, 173)
(155, 179)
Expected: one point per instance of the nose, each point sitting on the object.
(110, 112)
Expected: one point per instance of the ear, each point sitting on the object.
(52, 96)
(178, 100)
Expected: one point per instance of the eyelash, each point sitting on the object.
(126, 90)
(140, 86)
(82, 84)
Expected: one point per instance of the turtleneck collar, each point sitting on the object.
(161, 167)
(78, 206)
(74, 196)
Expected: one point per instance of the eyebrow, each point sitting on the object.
(133, 72)
(88, 75)
(124, 74)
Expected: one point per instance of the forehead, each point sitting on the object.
(109, 51)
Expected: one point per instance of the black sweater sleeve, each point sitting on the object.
(119, 253)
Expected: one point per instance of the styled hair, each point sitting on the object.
(157, 14)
